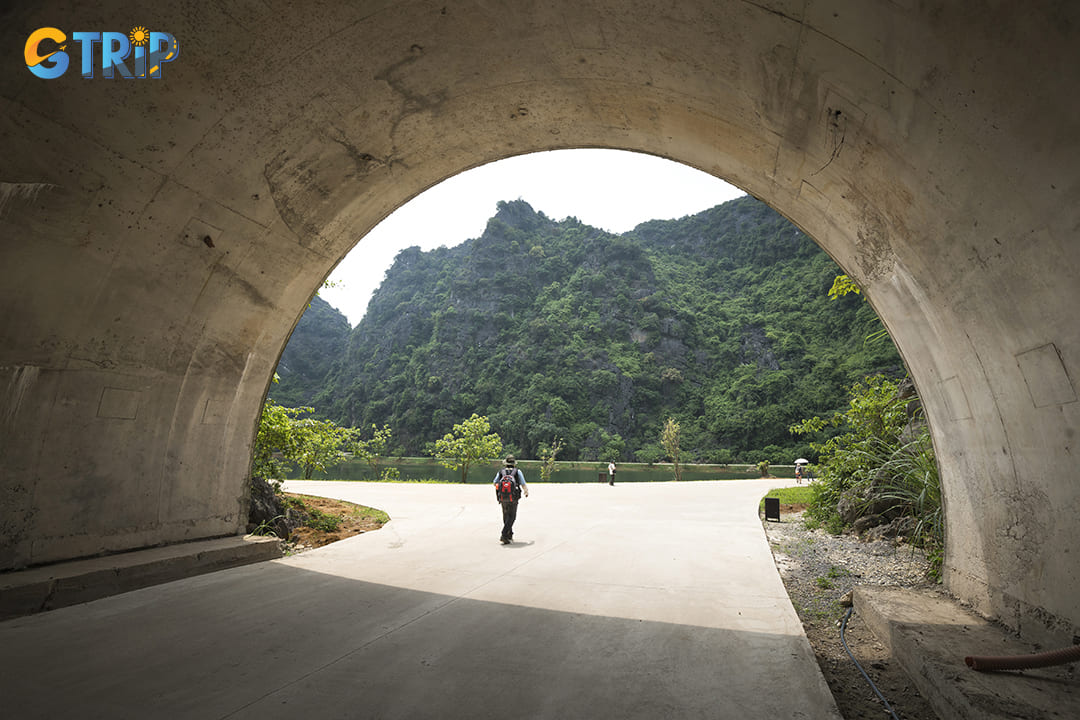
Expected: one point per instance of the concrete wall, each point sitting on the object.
(159, 238)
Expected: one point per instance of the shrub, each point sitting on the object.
(884, 458)
(874, 416)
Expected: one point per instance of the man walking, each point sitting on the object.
(509, 484)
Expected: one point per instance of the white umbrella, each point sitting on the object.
(802, 461)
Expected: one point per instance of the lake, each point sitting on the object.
(416, 469)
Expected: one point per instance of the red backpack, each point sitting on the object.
(506, 488)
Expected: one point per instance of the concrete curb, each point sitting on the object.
(35, 590)
(930, 634)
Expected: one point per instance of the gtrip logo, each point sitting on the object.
(147, 51)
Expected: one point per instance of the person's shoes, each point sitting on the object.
(611, 483)
(504, 541)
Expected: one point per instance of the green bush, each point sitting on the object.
(872, 458)
(908, 480)
(874, 417)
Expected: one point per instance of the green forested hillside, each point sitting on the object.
(318, 341)
(557, 329)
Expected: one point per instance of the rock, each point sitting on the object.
(265, 505)
(848, 508)
(901, 526)
(906, 389)
(866, 522)
(269, 512)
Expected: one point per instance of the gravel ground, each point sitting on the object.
(818, 569)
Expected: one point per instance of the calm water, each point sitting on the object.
(423, 469)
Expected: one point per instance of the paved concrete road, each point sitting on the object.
(646, 601)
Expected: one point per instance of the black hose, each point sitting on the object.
(843, 627)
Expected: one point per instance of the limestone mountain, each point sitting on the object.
(555, 329)
(318, 341)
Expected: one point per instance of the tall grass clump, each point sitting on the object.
(907, 485)
(877, 467)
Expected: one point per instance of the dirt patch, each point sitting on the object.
(351, 519)
(818, 570)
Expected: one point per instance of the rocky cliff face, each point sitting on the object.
(316, 344)
(557, 329)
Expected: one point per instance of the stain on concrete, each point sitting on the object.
(281, 174)
(20, 191)
(235, 280)
(20, 382)
(414, 100)
(874, 253)
(365, 162)
(835, 134)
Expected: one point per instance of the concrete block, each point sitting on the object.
(26, 592)
(930, 634)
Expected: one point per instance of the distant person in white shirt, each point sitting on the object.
(611, 473)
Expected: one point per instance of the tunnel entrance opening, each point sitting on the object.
(615, 292)
(420, 346)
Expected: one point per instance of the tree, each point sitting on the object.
(547, 457)
(651, 453)
(843, 285)
(284, 435)
(371, 451)
(612, 448)
(669, 438)
(272, 441)
(316, 443)
(469, 443)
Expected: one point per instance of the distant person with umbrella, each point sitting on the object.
(800, 470)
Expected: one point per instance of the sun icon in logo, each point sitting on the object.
(139, 35)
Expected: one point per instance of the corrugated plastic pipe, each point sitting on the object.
(988, 663)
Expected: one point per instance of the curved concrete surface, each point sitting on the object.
(634, 601)
(159, 238)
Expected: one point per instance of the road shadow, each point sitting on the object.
(277, 641)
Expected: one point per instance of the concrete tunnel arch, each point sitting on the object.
(161, 238)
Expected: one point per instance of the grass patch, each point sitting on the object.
(342, 512)
(791, 495)
(323, 521)
(386, 479)
(827, 581)
(788, 496)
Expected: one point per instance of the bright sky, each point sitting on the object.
(610, 189)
